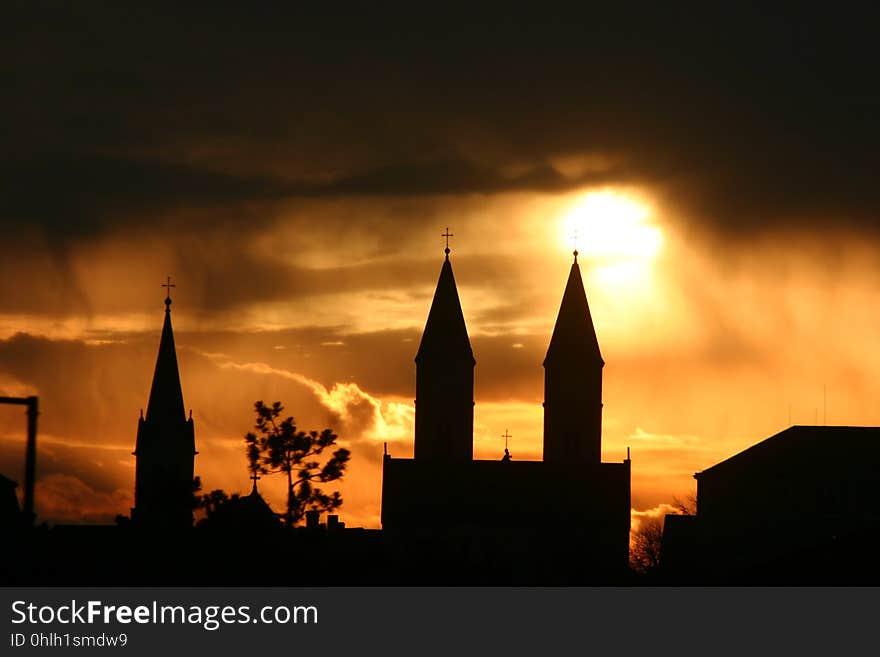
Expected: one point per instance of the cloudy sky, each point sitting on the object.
(293, 171)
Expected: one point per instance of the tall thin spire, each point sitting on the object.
(165, 447)
(445, 377)
(166, 395)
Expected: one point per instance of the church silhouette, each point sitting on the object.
(165, 449)
(564, 518)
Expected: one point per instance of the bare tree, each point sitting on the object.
(686, 506)
(644, 554)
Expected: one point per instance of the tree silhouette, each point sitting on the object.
(211, 502)
(647, 539)
(644, 553)
(279, 447)
(686, 506)
(215, 500)
(196, 493)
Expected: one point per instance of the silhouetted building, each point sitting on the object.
(248, 515)
(561, 519)
(165, 449)
(803, 506)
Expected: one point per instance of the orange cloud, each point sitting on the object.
(68, 499)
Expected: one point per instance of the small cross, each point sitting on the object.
(255, 477)
(574, 238)
(506, 437)
(168, 286)
(447, 235)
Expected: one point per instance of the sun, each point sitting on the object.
(612, 227)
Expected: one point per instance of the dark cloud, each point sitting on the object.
(458, 177)
(103, 376)
(105, 467)
(748, 118)
(73, 197)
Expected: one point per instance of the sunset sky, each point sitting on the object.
(293, 173)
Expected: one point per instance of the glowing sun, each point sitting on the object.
(612, 227)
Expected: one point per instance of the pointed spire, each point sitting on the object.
(574, 334)
(166, 396)
(444, 422)
(445, 333)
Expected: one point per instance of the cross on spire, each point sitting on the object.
(168, 285)
(447, 235)
(255, 477)
(506, 435)
(574, 238)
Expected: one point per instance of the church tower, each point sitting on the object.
(165, 450)
(573, 381)
(445, 378)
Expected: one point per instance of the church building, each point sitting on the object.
(165, 449)
(569, 511)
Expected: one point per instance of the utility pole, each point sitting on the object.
(30, 456)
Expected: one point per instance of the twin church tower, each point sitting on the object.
(569, 512)
(572, 380)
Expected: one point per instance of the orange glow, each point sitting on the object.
(612, 225)
(705, 352)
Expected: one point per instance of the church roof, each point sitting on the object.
(250, 513)
(166, 396)
(574, 335)
(445, 334)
